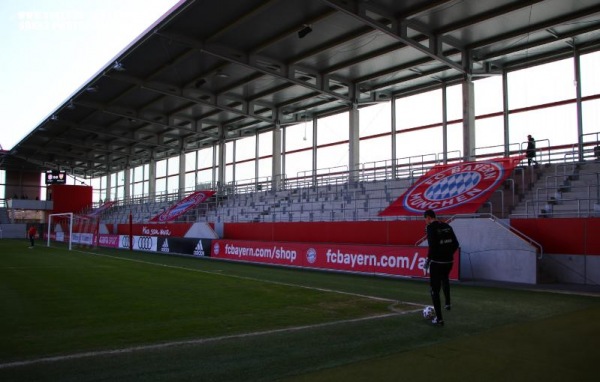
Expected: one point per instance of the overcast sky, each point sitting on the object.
(50, 48)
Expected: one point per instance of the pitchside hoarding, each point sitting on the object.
(404, 261)
(184, 246)
(194, 247)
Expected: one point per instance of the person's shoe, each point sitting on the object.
(448, 307)
(437, 322)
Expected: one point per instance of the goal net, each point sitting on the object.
(68, 229)
(60, 229)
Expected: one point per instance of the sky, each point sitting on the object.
(51, 48)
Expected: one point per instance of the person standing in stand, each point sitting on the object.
(531, 151)
(32, 232)
(440, 258)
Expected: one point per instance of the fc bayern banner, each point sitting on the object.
(100, 210)
(396, 260)
(454, 188)
(184, 205)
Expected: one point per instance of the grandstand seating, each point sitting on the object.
(569, 189)
(4, 218)
(563, 190)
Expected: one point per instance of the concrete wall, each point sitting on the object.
(490, 251)
(27, 204)
(572, 269)
(13, 231)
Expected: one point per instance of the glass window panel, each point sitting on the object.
(488, 96)
(173, 165)
(173, 183)
(161, 186)
(246, 148)
(455, 141)
(138, 174)
(409, 150)
(333, 129)
(590, 80)
(190, 161)
(95, 183)
(244, 172)
(375, 119)
(161, 168)
(120, 192)
(229, 150)
(298, 136)
(489, 136)
(528, 87)
(229, 173)
(375, 149)
(419, 110)
(332, 156)
(205, 177)
(265, 144)
(138, 190)
(454, 103)
(42, 191)
(552, 126)
(190, 181)
(205, 157)
(591, 119)
(120, 178)
(265, 168)
(298, 162)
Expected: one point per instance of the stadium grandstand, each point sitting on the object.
(331, 121)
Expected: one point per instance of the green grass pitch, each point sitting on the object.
(91, 315)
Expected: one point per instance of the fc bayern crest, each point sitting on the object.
(453, 186)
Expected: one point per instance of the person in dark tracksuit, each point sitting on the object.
(440, 258)
(530, 151)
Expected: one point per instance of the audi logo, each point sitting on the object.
(144, 243)
(124, 241)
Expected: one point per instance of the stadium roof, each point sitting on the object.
(228, 69)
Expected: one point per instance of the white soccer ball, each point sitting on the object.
(428, 312)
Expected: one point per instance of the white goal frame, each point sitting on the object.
(70, 215)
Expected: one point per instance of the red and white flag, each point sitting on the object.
(183, 206)
(453, 188)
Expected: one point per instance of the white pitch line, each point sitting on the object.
(222, 338)
(253, 279)
(199, 341)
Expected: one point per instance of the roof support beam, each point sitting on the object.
(383, 21)
(257, 63)
(213, 101)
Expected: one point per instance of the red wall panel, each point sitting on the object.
(560, 236)
(362, 232)
(405, 232)
(563, 235)
(68, 198)
(592, 237)
(248, 231)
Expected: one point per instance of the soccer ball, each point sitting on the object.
(428, 312)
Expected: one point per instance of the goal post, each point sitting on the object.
(60, 228)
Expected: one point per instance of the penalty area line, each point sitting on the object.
(174, 344)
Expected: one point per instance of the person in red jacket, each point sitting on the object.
(31, 233)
